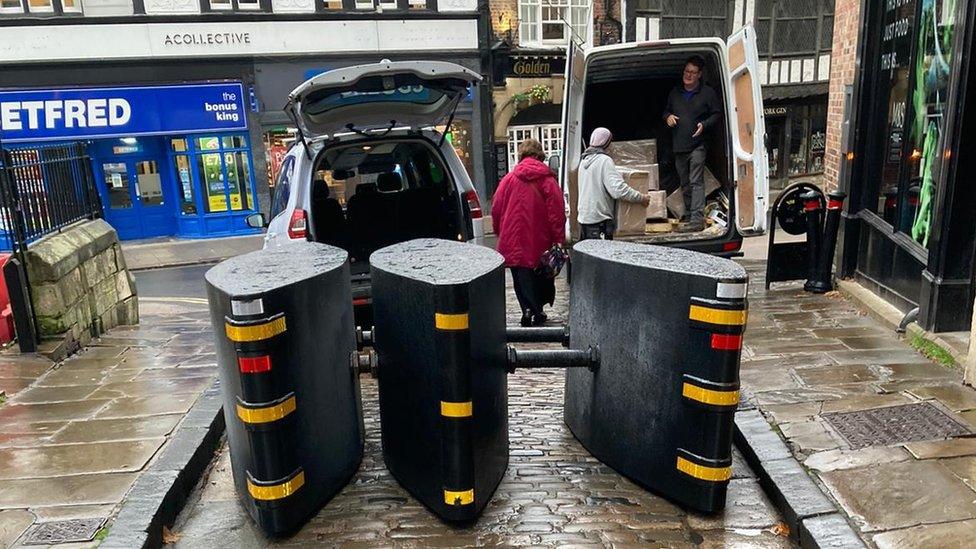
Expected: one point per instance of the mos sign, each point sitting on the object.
(87, 113)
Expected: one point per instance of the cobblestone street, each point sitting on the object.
(553, 494)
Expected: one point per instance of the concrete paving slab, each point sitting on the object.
(834, 460)
(99, 430)
(829, 531)
(746, 539)
(77, 459)
(810, 436)
(786, 413)
(969, 417)
(37, 395)
(964, 468)
(73, 490)
(900, 495)
(894, 356)
(147, 406)
(819, 394)
(13, 523)
(65, 512)
(864, 402)
(12, 386)
(835, 375)
(151, 387)
(20, 368)
(954, 396)
(58, 411)
(950, 535)
(917, 370)
(942, 448)
(873, 342)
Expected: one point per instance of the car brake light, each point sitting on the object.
(474, 205)
(732, 246)
(298, 226)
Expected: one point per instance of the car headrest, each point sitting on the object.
(366, 188)
(389, 182)
(320, 190)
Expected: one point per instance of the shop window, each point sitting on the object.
(235, 5)
(516, 136)
(798, 148)
(549, 135)
(117, 185)
(818, 138)
(681, 19)
(546, 20)
(925, 123)
(794, 27)
(184, 174)
(71, 6)
(373, 4)
(11, 6)
(149, 183)
(224, 167)
(418, 4)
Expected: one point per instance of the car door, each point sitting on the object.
(572, 126)
(748, 130)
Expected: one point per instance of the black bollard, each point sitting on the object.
(823, 283)
(812, 210)
(285, 339)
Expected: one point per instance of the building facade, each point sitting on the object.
(181, 101)
(908, 231)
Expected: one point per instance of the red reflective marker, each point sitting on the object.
(726, 342)
(254, 364)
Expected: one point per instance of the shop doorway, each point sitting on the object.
(136, 201)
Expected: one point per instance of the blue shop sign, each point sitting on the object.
(89, 113)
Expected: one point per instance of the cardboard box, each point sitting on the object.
(657, 208)
(632, 216)
(637, 154)
(676, 200)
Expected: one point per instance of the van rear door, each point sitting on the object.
(748, 132)
(572, 126)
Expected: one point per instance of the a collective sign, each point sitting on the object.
(89, 113)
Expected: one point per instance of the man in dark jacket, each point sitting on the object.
(692, 111)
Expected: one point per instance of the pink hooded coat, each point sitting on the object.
(528, 213)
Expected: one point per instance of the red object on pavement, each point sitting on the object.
(6, 313)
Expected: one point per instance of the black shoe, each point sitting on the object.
(526, 319)
(539, 319)
(690, 228)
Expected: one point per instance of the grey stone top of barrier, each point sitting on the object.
(437, 261)
(264, 270)
(661, 257)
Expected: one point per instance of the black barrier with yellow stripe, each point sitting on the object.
(669, 326)
(439, 314)
(285, 337)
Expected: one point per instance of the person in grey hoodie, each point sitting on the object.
(600, 184)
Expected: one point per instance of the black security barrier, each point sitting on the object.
(660, 408)
(553, 358)
(439, 315)
(538, 334)
(823, 278)
(286, 344)
(813, 208)
(790, 260)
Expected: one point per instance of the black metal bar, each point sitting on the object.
(538, 334)
(25, 322)
(553, 358)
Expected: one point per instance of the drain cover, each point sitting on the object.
(895, 425)
(64, 531)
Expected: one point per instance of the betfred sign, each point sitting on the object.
(89, 113)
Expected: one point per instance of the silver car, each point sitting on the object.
(369, 167)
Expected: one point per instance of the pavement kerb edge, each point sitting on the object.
(814, 519)
(206, 261)
(159, 494)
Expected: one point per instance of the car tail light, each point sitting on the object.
(298, 226)
(731, 246)
(474, 205)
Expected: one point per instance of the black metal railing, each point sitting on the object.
(44, 189)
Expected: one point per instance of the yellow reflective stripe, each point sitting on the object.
(456, 409)
(459, 498)
(255, 332)
(709, 396)
(717, 316)
(276, 491)
(445, 321)
(712, 474)
(266, 414)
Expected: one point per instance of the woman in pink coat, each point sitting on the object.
(528, 216)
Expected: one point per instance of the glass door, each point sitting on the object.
(136, 203)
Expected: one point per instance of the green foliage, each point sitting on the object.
(932, 351)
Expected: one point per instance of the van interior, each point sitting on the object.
(365, 196)
(641, 79)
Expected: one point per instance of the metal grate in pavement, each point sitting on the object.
(64, 531)
(895, 425)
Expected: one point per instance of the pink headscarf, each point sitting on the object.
(601, 137)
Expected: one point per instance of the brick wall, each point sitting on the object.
(842, 73)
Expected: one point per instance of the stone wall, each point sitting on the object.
(80, 286)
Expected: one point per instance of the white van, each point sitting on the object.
(624, 87)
